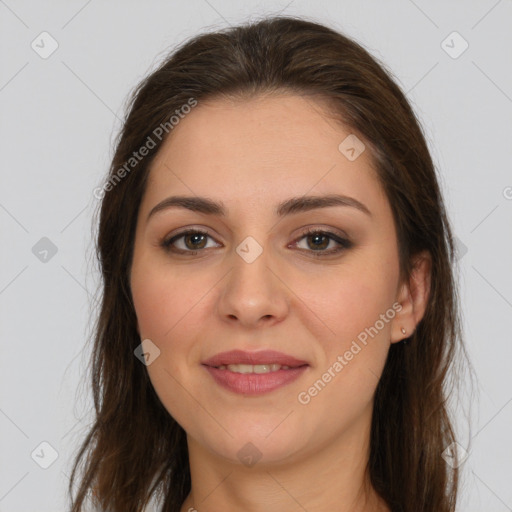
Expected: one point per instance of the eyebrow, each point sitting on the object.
(289, 207)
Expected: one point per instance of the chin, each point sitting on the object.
(255, 446)
(250, 454)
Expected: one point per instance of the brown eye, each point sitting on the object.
(196, 240)
(193, 240)
(317, 241)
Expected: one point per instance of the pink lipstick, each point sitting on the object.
(254, 373)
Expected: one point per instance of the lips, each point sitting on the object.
(254, 373)
(264, 357)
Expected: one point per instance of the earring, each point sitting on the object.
(405, 341)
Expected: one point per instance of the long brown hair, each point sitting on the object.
(135, 450)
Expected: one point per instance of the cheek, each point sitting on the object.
(169, 304)
(350, 301)
(353, 356)
(164, 304)
(356, 306)
(164, 298)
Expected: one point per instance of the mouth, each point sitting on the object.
(254, 373)
(255, 368)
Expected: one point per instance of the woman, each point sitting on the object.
(279, 311)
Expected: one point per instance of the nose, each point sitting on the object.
(253, 294)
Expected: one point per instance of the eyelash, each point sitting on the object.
(343, 242)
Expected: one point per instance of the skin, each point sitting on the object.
(251, 155)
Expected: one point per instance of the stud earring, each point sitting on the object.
(405, 341)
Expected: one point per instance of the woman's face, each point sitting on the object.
(258, 281)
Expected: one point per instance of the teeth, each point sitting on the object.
(253, 368)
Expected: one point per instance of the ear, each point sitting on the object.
(413, 297)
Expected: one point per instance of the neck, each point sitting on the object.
(331, 478)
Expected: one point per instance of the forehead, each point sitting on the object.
(265, 148)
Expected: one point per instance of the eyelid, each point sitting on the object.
(323, 229)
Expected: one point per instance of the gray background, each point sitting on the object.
(58, 118)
